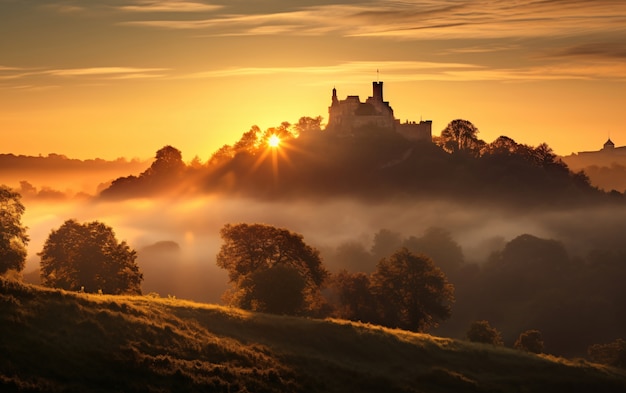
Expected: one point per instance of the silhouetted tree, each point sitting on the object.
(460, 135)
(354, 257)
(612, 354)
(308, 124)
(528, 263)
(13, 238)
(385, 243)
(530, 341)
(412, 293)
(482, 332)
(168, 162)
(249, 251)
(439, 245)
(89, 257)
(279, 289)
(249, 141)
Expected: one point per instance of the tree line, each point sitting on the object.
(372, 163)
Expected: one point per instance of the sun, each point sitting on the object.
(274, 141)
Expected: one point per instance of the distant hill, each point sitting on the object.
(57, 341)
(57, 176)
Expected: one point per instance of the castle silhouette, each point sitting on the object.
(348, 116)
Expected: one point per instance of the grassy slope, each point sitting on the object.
(53, 340)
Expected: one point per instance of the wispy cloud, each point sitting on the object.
(170, 6)
(423, 19)
(98, 73)
(107, 72)
(403, 71)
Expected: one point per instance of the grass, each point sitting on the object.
(58, 341)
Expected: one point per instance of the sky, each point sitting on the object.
(123, 78)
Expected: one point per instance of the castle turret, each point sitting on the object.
(334, 100)
(377, 91)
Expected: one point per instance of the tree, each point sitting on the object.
(460, 135)
(385, 243)
(252, 255)
(88, 257)
(482, 332)
(530, 341)
(353, 299)
(168, 162)
(439, 245)
(612, 354)
(13, 238)
(411, 291)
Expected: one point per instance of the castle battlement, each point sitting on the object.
(347, 116)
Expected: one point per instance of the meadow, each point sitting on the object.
(59, 341)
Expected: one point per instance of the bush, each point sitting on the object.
(612, 354)
(482, 332)
(530, 341)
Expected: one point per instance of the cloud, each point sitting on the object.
(170, 6)
(107, 72)
(421, 20)
(405, 71)
(595, 49)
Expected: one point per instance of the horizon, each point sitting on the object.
(122, 79)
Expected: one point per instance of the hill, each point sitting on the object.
(371, 164)
(57, 341)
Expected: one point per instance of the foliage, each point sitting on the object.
(460, 136)
(88, 257)
(353, 299)
(385, 243)
(482, 332)
(13, 238)
(530, 341)
(411, 291)
(439, 245)
(612, 354)
(278, 289)
(166, 171)
(251, 255)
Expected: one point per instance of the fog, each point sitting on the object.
(193, 224)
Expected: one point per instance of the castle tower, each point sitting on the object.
(335, 101)
(377, 91)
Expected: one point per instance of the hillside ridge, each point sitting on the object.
(57, 341)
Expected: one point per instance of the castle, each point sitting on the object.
(347, 116)
(605, 157)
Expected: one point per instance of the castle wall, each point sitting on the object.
(421, 131)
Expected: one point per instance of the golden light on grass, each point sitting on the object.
(273, 141)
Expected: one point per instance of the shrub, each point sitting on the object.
(482, 332)
(530, 341)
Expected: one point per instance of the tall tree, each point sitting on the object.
(460, 135)
(13, 238)
(412, 292)
(88, 257)
(252, 253)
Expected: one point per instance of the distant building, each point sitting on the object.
(609, 154)
(349, 115)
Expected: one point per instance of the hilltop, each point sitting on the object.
(56, 341)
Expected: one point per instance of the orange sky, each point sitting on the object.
(125, 77)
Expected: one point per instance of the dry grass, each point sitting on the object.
(53, 340)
